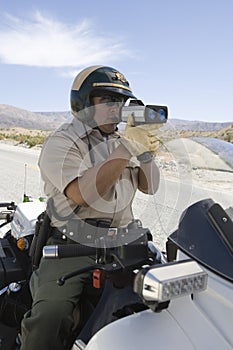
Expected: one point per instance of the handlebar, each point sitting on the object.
(6, 215)
(71, 250)
(8, 205)
(126, 257)
(66, 251)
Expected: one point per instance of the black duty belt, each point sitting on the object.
(90, 231)
(82, 231)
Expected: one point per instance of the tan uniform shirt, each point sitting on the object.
(65, 156)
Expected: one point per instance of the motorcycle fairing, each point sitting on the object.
(202, 238)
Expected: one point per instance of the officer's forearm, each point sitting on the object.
(148, 178)
(99, 179)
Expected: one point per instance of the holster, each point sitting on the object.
(42, 233)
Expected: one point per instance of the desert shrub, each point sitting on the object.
(28, 140)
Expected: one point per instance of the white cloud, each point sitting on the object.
(45, 42)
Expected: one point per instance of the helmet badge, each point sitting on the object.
(120, 76)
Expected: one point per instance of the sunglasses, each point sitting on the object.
(109, 100)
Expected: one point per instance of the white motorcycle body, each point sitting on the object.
(203, 321)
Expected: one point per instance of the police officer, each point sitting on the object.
(91, 173)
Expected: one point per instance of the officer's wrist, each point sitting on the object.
(125, 153)
(145, 157)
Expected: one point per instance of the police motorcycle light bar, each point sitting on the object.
(149, 114)
(163, 283)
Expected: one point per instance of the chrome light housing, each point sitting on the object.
(162, 283)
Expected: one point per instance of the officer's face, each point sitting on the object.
(107, 109)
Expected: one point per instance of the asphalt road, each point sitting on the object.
(14, 163)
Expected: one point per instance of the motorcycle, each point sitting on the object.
(180, 298)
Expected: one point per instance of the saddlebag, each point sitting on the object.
(10, 269)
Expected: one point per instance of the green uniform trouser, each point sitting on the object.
(50, 322)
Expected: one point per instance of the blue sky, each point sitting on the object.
(177, 53)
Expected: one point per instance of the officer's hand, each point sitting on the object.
(140, 139)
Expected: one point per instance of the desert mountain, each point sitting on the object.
(12, 117)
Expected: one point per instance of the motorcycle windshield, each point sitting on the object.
(194, 203)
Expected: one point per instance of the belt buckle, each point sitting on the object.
(112, 232)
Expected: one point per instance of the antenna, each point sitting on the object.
(25, 196)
